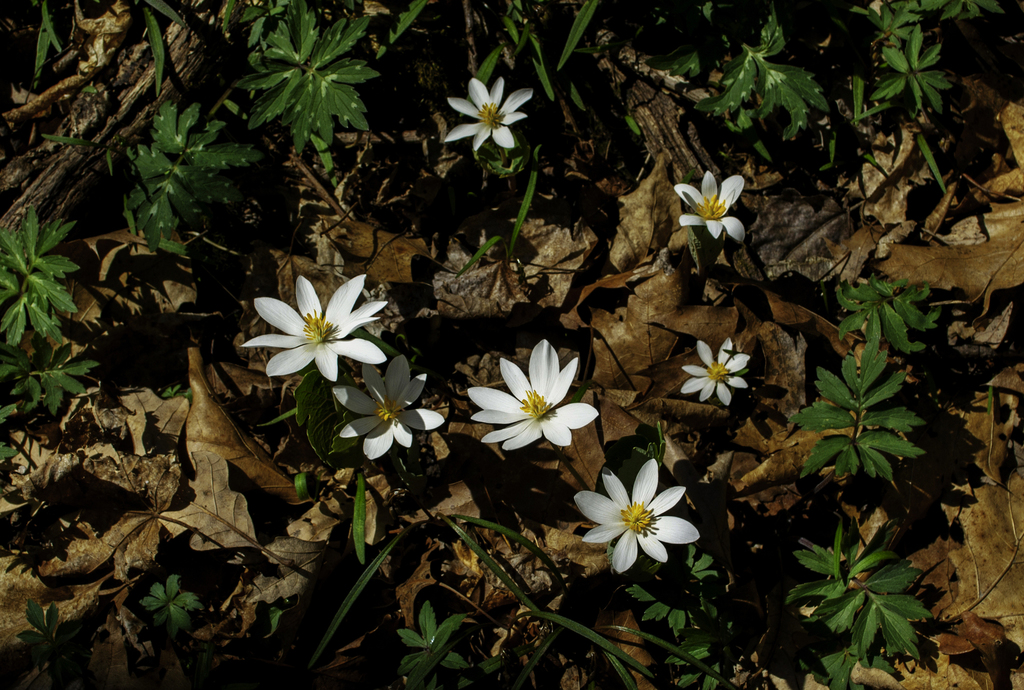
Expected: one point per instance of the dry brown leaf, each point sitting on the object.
(210, 429)
(298, 568)
(785, 374)
(648, 216)
(792, 232)
(218, 517)
(18, 584)
(627, 345)
(382, 255)
(904, 164)
(989, 564)
(976, 271)
(154, 422)
(631, 644)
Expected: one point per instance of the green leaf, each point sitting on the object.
(824, 450)
(817, 559)
(579, 26)
(895, 577)
(838, 613)
(156, 44)
(821, 416)
(405, 20)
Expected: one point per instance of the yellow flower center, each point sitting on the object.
(712, 208)
(534, 405)
(318, 328)
(388, 409)
(490, 116)
(637, 518)
(718, 372)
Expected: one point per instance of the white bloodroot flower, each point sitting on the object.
(530, 410)
(312, 334)
(640, 520)
(493, 117)
(718, 375)
(710, 208)
(388, 419)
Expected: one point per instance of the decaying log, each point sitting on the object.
(57, 178)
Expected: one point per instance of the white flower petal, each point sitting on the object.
(666, 499)
(724, 394)
(616, 491)
(530, 433)
(397, 378)
(714, 227)
(694, 370)
(481, 137)
(574, 415)
(709, 388)
(360, 427)
(555, 432)
(560, 386)
(515, 379)
(358, 350)
(646, 483)
(360, 317)
(499, 435)
(276, 340)
(673, 530)
(544, 369)
(510, 118)
(305, 295)
(290, 361)
(705, 353)
(652, 547)
(708, 186)
(734, 228)
(402, 434)
(412, 390)
(723, 352)
(490, 399)
(378, 441)
(423, 420)
(603, 533)
(688, 219)
(497, 91)
(327, 362)
(280, 315)
(693, 385)
(736, 382)
(731, 190)
(464, 106)
(598, 508)
(339, 309)
(503, 137)
(374, 383)
(689, 194)
(499, 417)
(625, 552)
(515, 99)
(737, 362)
(478, 93)
(463, 131)
(355, 400)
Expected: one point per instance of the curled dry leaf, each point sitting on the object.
(648, 217)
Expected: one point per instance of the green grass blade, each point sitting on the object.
(498, 571)
(227, 15)
(479, 253)
(627, 679)
(922, 144)
(542, 70)
(405, 20)
(519, 539)
(673, 649)
(165, 9)
(354, 593)
(524, 208)
(542, 649)
(602, 642)
(486, 667)
(576, 32)
(488, 65)
(281, 417)
(156, 44)
(359, 518)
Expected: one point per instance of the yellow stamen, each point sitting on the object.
(490, 116)
(637, 518)
(718, 372)
(712, 208)
(388, 409)
(534, 405)
(318, 328)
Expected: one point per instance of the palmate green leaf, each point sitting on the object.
(818, 590)
(893, 578)
(307, 84)
(179, 175)
(835, 390)
(683, 61)
(817, 559)
(889, 443)
(821, 416)
(824, 450)
(838, 612)
(896, 418)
